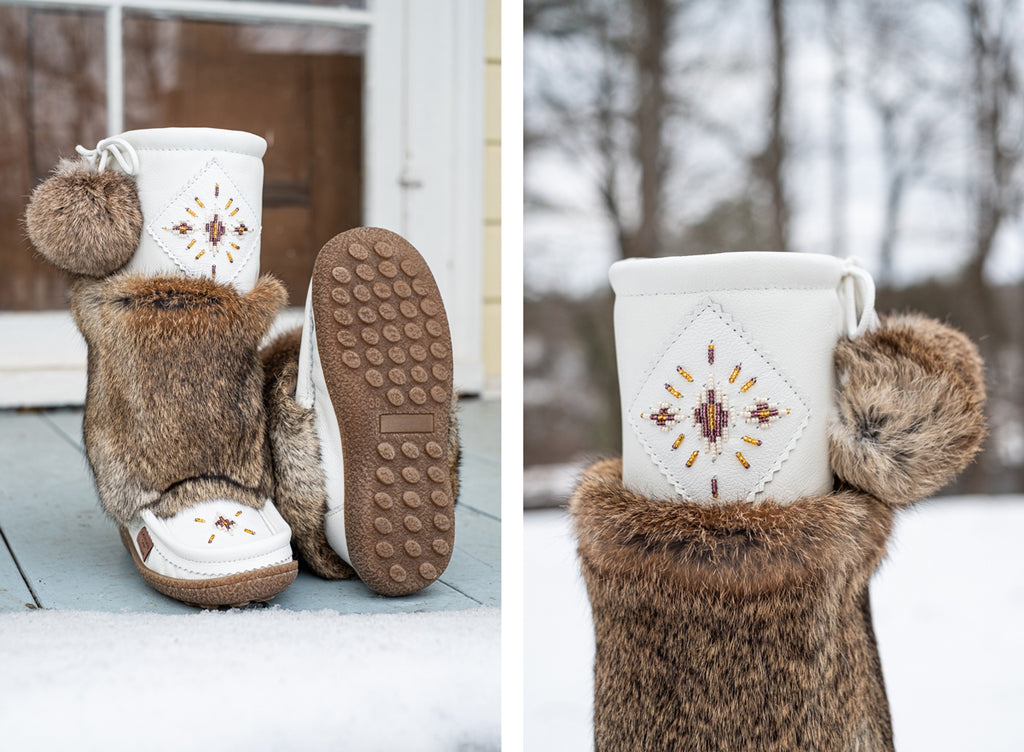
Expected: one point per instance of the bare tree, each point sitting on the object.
(998, 123)
(651, 34)
(621, 127)
(907, 87)
(770, 165)
(835, 29)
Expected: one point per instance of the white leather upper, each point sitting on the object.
(213, 539)
(201, 191)
(311, 391)
(778, 316)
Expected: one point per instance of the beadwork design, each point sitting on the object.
(711, 416)
(223, 524)
(716, 410)
(763, 413)
(664, 416)
(208, 224)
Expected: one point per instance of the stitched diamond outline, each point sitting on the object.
(712, 371)
(208, 229)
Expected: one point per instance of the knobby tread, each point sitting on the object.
(385, 348)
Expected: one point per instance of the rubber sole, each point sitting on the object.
(233, 590)
(386, 352)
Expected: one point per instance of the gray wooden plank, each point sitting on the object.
(68, 422)
(311, 593)
(73, 557)
(480, 434)
(480, 487)
(69, 551)
(473, 578)
(480, 419)
(14, 594)
(479, 535)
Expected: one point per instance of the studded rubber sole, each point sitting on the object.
(231, 590)
(385, 348)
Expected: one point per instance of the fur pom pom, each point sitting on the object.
(83, 221)
(911, 399)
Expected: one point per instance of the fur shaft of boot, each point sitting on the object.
(746, 625)
(739, 627)
(174, 411)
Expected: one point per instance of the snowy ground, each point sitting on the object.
(265, 679)
(949, 615)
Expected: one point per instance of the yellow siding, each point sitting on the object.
(492, 196)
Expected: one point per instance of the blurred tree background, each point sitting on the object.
(890, 131)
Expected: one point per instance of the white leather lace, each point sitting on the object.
(115, 146)
(857, 293)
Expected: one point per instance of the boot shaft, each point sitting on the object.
(201, 195)
(726, 374)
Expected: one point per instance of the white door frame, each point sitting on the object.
(423, 157)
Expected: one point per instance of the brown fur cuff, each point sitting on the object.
(174, 411)
(299, 492)
(911, 408)
(736, 626)
(740, 548)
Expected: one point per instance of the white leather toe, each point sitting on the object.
(212, 539)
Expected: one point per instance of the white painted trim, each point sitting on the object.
(433, 153)
(229, 10)
(466, 204)
(382, 120)
(42, 360)
(113, 28)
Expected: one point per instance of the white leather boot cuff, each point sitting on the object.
(725, 371)
(201, 191)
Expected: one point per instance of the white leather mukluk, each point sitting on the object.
(201, 193)
(726, 374)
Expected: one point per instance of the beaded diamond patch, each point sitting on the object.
(208, 229)
(715, 415)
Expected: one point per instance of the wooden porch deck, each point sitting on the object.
(59, 551)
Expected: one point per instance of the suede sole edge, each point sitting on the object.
(231, 590)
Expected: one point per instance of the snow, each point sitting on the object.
(264, 679)
(542, 483)
(948, 607)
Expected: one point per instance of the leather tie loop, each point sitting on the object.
(857, 296)
(115, 146)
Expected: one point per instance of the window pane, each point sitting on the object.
(300, 87)
(51, 98)
(355, 4)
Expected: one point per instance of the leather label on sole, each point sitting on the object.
(407, 423)
(145, 543)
